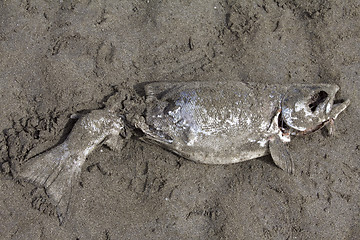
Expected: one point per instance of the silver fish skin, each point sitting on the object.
(208, 122)
(212, 123)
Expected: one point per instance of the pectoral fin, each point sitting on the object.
(280, 155)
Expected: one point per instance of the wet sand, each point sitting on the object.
(63, 57)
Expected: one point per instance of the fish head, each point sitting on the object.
(306, 108)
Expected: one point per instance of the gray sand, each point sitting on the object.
(63, 57)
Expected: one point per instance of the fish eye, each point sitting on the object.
(316, 99)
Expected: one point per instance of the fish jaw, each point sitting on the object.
(337, 108)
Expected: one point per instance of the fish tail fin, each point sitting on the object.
(57, 170)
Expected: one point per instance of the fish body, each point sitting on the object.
(208, 122)
(212, 122)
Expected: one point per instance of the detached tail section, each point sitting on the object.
(57, 170)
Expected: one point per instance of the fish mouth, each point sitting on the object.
(318, 99)
(333, 109)
(335, 106)
(323, 100)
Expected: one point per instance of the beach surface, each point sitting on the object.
(59, 58)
